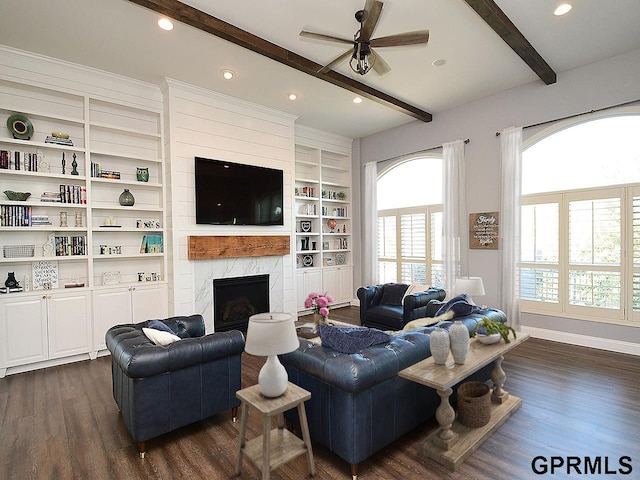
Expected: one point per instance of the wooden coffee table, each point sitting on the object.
(453, 442)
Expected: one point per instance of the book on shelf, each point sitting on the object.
(10, 289)
(14, 160)
(151, 244)
(15, 215)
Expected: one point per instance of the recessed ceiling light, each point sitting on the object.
(439, 62)
(562, 9)
(292, 96)
(227, 74)
(357, 100)
(165, 24)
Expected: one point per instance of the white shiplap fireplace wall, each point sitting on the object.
(199, 122)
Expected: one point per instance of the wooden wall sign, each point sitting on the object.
(484, 230)
(207, 247)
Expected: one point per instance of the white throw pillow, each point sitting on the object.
(160, 338)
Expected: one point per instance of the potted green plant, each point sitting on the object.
(341, 195)
(487, 330)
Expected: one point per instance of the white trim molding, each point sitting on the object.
(583, 340)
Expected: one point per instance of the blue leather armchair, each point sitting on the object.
(161, 388)
(382, 306)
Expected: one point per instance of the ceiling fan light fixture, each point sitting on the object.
(562, 9)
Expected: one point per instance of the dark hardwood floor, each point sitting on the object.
(62, 423)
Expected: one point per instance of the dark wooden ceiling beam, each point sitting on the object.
(493, 15)
(205, 22)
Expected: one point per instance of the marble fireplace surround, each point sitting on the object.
(224, 266)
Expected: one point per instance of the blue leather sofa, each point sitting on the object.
(383, 306)
(359, 404)
(161, 388)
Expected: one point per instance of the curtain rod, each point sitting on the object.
(413, 153)
(576, 115)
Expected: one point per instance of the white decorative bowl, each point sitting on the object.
(488, 339)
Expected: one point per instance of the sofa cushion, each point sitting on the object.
(413, 288)
(158, 325)
(351, 339)
(160, 337)
(393, 293)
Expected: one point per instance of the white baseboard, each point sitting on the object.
(583, 340)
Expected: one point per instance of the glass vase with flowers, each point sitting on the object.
(320, 304)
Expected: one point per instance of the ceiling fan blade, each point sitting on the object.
(379, 65)
(328, 38)
(337, 60)
(372, 9)
(408, 38)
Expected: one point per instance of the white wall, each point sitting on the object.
(608, 82)
(200, 122)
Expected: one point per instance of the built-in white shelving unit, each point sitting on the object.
(103, 256)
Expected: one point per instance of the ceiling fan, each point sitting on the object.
(363, 56)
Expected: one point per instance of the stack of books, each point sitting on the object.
(98, 172)
(40, 220)
(50, 197)
(58, 140)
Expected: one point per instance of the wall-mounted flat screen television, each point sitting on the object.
(235, 194)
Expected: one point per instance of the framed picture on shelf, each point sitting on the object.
(325, 245)
(341, 259)
(305, 226)
(110, 278)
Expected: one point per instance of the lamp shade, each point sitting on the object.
(469, 285)
(271, 334)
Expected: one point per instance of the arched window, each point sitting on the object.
(410, 222)
(580, 251)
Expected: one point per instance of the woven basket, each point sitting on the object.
(474, 404)
(17, 251)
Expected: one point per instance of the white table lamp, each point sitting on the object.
(471, 286)
(269, 335)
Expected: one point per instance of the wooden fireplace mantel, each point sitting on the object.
(209, 247)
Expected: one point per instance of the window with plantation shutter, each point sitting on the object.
(580, 221)
(410, 223)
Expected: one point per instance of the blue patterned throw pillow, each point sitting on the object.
(158, 325)
(351, 339)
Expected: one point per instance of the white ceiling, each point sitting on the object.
(121, 37)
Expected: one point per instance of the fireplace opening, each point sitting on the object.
(236, 299)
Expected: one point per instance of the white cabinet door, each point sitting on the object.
(23, 331)
(110, 307)
(149, 302)
(338, 282)
(69, 322)
(307, 281)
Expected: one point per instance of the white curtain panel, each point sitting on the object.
(370, 225)
(511, 188)
(454, 211)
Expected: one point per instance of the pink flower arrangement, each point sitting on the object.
(319, 303)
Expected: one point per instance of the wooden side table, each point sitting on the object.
(278, 446)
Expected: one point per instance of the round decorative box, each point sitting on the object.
(439, 343)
